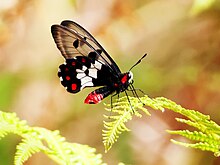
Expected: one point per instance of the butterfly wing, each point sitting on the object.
(73, 40)
(87, 63)
(82, 71)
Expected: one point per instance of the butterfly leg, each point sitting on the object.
(134, 91)
(131, 91)
(112, 102)
(129, 101)
(112, 97)
(138, 89)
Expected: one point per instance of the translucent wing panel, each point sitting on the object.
(73, 40)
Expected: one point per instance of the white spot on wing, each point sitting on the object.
(88, 84)
(84, 67)
(61, 78)
(80, 75)
(98, 65)
(79, 71)
(85, 80)
(93, 73)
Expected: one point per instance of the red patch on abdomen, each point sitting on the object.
(93, 98)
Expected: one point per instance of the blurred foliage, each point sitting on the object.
(202, 5)
(207, 138)
(36, 139)
(9, 84)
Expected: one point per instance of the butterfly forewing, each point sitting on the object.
(73, 40)
(104, 56)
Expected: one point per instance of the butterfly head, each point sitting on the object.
(130, 77)
(125, 80)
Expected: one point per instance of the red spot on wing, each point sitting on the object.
(73, 63)
(73, 86)
(124, 79)
(83, 60)
(66, 69)
(67, 77)
(93, 98)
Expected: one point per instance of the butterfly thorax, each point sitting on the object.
(125, 79)
(117, 85)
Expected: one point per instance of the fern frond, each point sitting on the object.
(207, 135)
(9, 123)
(195, 136)
(27, 148)
(86, 154)
(115, 127)
(120, 114)
(202, 146)
(51, 143)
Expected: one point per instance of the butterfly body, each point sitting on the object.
(87, 64)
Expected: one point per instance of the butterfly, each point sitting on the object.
(87, 64)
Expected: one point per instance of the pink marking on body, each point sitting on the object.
(93, 98)
(124, 79)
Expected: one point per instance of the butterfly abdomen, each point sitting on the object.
(98, 95)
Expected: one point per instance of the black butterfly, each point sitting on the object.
(88, 64)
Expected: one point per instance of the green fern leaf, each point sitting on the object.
(115, 127)
(121, 113)
(27, 148)
(86, 154)
(207, 134)
(202, 146)
(51, 143)
(9, 123)
(196, 136)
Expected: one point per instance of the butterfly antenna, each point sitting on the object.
(138, 61)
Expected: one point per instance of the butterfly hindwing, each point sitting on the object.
(81, 71)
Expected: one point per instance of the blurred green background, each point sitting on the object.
(181, 37)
